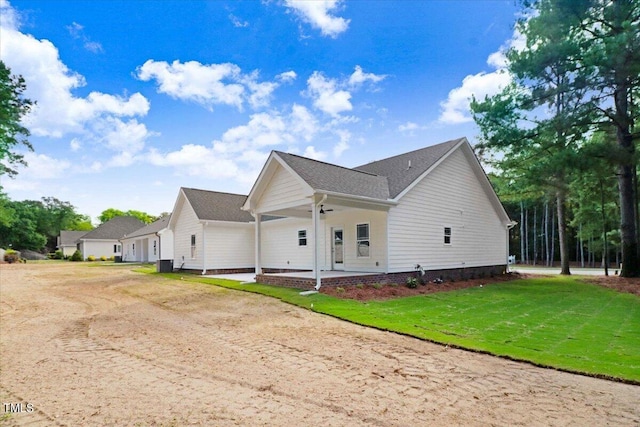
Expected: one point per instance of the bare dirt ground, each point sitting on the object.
(105, 346)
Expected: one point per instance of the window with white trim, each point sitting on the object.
(155, 247)
(302, 237)
(447, 235)
(362, 240)
(193, 246)
(133, 248)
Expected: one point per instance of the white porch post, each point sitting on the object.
(258, 245)
(316, 243)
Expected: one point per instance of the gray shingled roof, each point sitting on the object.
(152, 228)
(215, 206)
(396, 169)
(70, 237)
(114, 229)
(327, 177)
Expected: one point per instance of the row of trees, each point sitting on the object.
(566, 125)
(36, 224)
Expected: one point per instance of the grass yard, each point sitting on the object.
(557, 322)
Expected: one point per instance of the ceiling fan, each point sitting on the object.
(323, 210)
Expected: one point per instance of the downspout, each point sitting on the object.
(159, 246)
(316, 260)
(509, 227)
(204, 254)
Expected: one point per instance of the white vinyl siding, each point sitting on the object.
(280, 244)
(449, 196)
(186, 224)
(283, 190)
(229, 245)
(98, 248)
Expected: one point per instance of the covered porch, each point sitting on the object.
(317, 223)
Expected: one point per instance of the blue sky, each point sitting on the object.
(138, 98)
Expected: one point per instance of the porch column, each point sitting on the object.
(258, 245)
(316, 243)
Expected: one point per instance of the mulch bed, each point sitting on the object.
(372, 292)
(384, 292)
(620, 284)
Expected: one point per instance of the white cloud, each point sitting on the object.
(75, 144)
(318, 13)
(359, 77)
(241, 151)
(333, 96)
(9, 19)
(77, 32)
(455, 109)
(408, 127)
(343, 145)
(237, 22)
(193, 81)
(51, 83)
(311, 153)
(211, 84)
(326, 96)
(41, 166)
(287, 76)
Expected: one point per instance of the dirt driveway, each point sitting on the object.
(105, 346)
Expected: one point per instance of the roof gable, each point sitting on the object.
(321, 176)
(216, 206)
(70, 237)
(152, 228)
(114, 229)
(404, 169)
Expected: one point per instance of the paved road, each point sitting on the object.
(556, 270)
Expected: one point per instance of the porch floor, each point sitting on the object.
(323, 274)
(251, 277)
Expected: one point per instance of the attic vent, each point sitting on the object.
(409, 165)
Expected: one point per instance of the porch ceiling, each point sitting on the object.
(331, 205)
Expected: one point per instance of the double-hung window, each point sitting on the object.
(447, 235)
(302, 237)
(362, 240)
(193, 246)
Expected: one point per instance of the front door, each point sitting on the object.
(337, 249)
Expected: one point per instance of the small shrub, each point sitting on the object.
(112, 258)
(340, 290)
(11, 256)
(58, 254)
(359, 286)
(377, 285)
(103, 258)
(77, 256)
(412, 282)
(91, 258)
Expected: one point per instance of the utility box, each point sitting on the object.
(164, 265)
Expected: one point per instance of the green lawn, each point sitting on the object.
(557, 322)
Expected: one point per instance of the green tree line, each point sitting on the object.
(565, 130)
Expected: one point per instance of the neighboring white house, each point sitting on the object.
(68, 241)
(211, 232)
(149, 243)
(104, 240)
(432, 207)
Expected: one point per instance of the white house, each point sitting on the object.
(149, 243)
(211, 232)
(104, 240)
(68, 241)
(432, 207)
